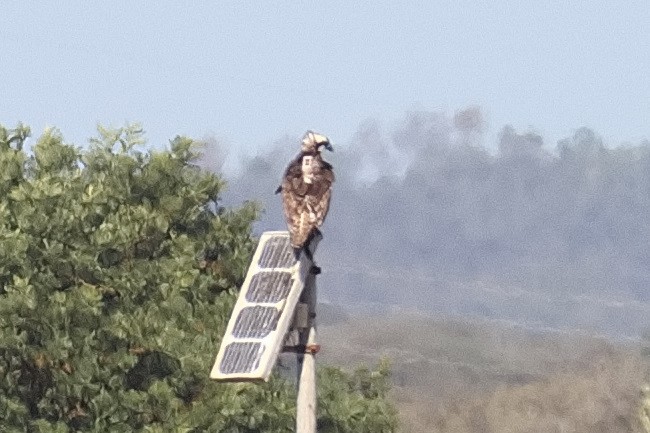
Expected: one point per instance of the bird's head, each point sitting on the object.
(315, 142)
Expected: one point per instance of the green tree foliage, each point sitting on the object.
(355, 402)
(118, 272)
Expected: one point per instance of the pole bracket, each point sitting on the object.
(311, 348)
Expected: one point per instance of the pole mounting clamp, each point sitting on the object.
(312, 348)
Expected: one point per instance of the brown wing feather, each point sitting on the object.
(321, 192)
(293, 199)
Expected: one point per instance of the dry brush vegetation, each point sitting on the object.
(454, 376)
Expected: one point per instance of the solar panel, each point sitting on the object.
(263, 312)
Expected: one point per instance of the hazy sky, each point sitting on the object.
(250, 72)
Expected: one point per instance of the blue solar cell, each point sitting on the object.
(277, 253)
(256, 322)
(241, 358)
(269, 287)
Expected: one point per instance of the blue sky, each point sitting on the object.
(249, 72)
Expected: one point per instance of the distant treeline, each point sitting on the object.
(569, 218)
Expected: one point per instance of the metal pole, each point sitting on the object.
(306, 403)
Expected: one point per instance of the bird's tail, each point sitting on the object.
(305, 246)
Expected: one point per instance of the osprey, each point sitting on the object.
(306, 190)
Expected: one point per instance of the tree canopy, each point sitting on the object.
(118, 272)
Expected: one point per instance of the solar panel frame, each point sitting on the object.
(272, 264)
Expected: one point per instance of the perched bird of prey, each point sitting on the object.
(306, 190)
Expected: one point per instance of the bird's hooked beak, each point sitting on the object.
(328, 146)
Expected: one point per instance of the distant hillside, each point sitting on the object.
(445, 369)
(371, 288)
